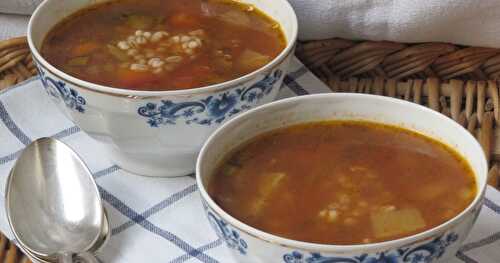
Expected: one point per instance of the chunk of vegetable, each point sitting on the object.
(184, 20)
(235, 17)
(117, 53)
(207, 10)
(266, 187)
(140, 21)
(108, 67)
(84, 49)
(390, 223)
(130, 78)
(251, 60)
(78, 61)
(93, 70)
(329, 215)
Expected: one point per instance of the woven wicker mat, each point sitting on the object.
(461, 82)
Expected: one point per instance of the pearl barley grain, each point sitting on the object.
(149, 51)
(139, 57)
(173, 59)
(156, 62)
(141, 40)
(139, 67)
(132, 52)
(157, 36)
(123, 45)
(192, 44)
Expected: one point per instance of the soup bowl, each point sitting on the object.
(156, 133)
(249, 244)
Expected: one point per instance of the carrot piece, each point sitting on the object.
(184, 20)
(84, 49)
(132, 79)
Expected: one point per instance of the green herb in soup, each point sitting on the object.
(163, 45)
(343, 182)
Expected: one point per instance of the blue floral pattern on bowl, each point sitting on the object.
(230, 236)
(423, 253)
(58, 90)
(211, 110)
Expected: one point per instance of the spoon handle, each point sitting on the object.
(83, 257)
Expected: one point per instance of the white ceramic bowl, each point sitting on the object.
(252, 245)
(156, 133)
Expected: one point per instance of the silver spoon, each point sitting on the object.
(53, 205)
(104, 236)
(100, 243)
(66, 258)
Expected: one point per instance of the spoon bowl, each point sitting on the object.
(104, 236)
(52, 202)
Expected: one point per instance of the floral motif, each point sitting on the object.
(421, 254)
(213, 109)
(230, 236)
(58, 90)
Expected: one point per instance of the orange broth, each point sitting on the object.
(343, 182)
(163, 45)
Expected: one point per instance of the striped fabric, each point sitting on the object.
(161, 219)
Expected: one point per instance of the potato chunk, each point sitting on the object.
(388, 223)
(236, 17)
(251, 60)
(270, 182)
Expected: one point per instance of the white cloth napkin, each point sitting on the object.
(24, 7)
(13, 17)
(12, 25)
(466, 22)
(162, 219)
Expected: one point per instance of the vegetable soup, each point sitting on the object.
(343, 182)
(163, 45)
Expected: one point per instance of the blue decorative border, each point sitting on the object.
(421, 254)
(230, 236)
(424, 253)
(211, 110)
(58, 90)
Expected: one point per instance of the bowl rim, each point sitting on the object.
(309, 246)
(290, 46)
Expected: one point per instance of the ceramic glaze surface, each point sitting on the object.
(212, 109)
(58, 90)
(430, 250)
(425, 252)
(435, 245)
(158, 136)
(157, 133)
